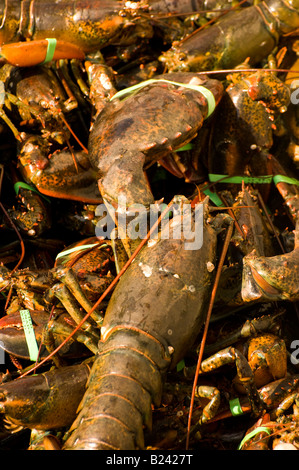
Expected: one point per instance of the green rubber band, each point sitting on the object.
(185, 147)
(29, 334)
(77, 248)
(214, 178)
(253, 433)
(180, 366)
(285, 179)
(203, 90)
(235, 407)
(214, 197)
(239, 179)
(21, 184)
(50, 50)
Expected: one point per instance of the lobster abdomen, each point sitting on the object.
(124, 381)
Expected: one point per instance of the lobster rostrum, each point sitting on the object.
(272, 278)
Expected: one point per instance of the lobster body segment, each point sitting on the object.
(155, 314)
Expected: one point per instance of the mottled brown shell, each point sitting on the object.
(131, 134)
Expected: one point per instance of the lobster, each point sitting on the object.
(252, 33)
(189, 6)
(277, 397)
(139, 345)
(45, 401)
(80, 27)
(267, 361)
(267, 434)
(44, 103)
(253, 102)
(31, 214)
(89, 25)
(82, 271)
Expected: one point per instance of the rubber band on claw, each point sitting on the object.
(252, 179)
(39, 52)
(29, 334)
(254, 433)
(21, 184)
(52, 43)
(201, 89)
(235, 407)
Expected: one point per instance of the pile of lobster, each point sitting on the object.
(149, 198)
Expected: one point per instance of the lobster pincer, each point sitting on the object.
(272, 278)
(44, 401)
(130, 135)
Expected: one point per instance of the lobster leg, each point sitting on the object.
(44, 401)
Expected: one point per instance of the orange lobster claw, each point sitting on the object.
(30, 53)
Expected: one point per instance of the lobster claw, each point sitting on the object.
(125, 139)
(28, 54)
(13, 339)
(271, 278)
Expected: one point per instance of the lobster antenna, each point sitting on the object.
(72, 132)
(12, 224)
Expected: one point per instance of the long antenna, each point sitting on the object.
(202, 345)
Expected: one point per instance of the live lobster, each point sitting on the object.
(139, 345)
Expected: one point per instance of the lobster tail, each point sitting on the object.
(128, 376)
